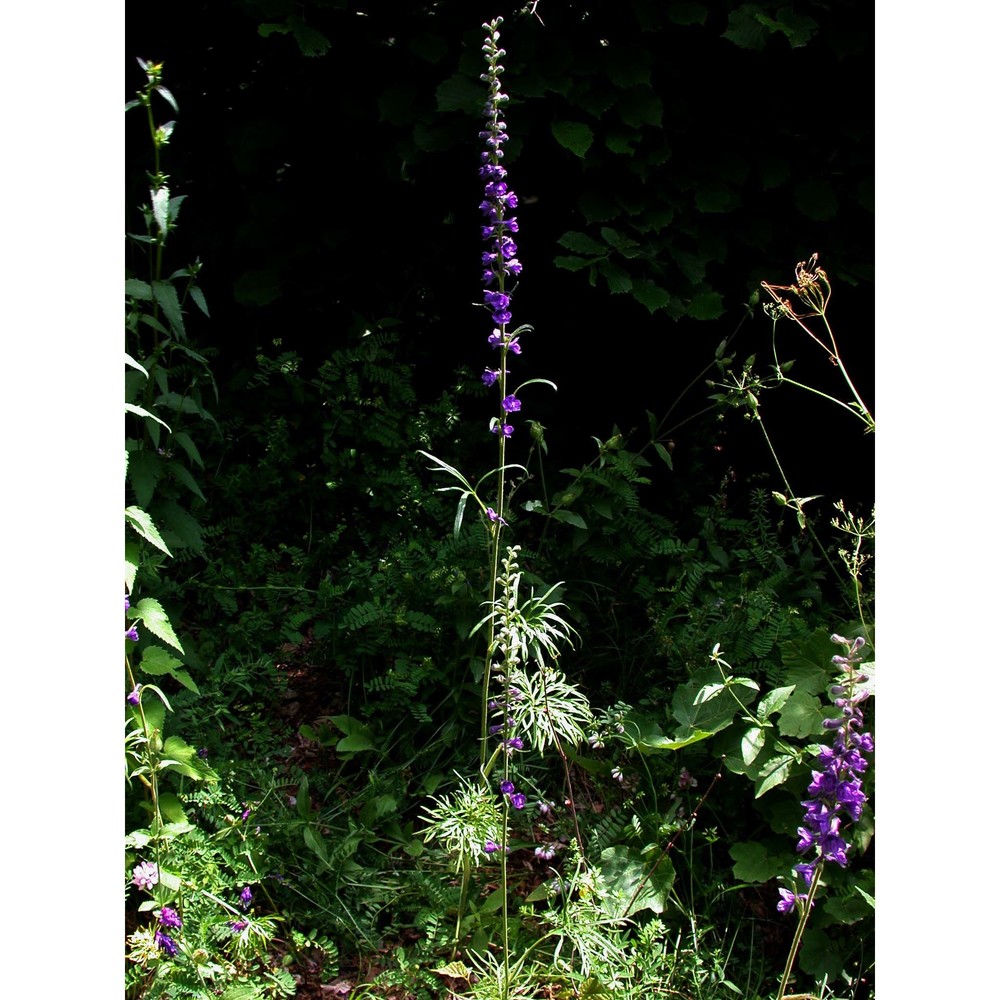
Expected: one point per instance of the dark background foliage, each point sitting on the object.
(330, 169)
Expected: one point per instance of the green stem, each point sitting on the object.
(797, 940)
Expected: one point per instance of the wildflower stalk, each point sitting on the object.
(800, 930)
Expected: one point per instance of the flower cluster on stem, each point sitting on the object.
(835, 797)
(499, 259)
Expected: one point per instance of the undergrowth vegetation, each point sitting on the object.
(413, 710)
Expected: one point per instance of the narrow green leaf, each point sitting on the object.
(168, 97)
(664, 454)
(460, 513)
(138, 289)
(198, 297)
(129, 360)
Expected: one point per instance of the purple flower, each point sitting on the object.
(246, 896)
(545, 851)
(835, 790)
(490, 375)
(203, 753)
(511, 404)
(166, 942)
(238, 925)
(506, 429)
(493, 515)
(491, 847)
(245, 815)
(169, 918)
(133, 634)
(133, 696)
(127, 605)
(507, 787)
(145, 875)
(519, 800)
(516, 743)
(788, 900)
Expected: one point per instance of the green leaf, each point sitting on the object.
(166, 295)
(454, 970)
(664, 454)
(626, 871)
(177, 755)
(310, 41)
(144, 469)
(616, 276)
(460, 513)
(151, 614)
(745, 30)
(752, 744)
(171, 808)
(640, 106)
(703, 704)
(574, 136)
(706, 305)
(568, 517)
(460, 93)
(820, 955)
(198, 297)
(815, 199)
(129, 360)
(801, 716)
(167, 96)
(143, 524)
(773, 773)
(131, 564)
(649, 294)
(753, 862)
(184, 440)
(625, 245)
(582, 243)
(145, 414)
(183, 475)
(774, 701)
(157, 661)
(138, 289)
(715, 196)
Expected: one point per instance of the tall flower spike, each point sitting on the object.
(499, 260)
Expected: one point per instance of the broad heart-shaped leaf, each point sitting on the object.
(625, 869)
(143, 524)
(574, 136)
(460, 93)
(820, 956)
(357, 736)
(753, 863)
(649, 294)
(151, 614)
(801, 715)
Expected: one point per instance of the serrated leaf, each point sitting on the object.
(177, 755)
(166, 295)
(143, 524)
(198, 297)
(310, 41)
(131, 564)
(129, 360)
(150, 612)
(184, 477)
(574, 136)
(650, 295)
(190, 449)
(582, 243)
(156, 661)
(640, 106)
(138, 289)
(616, 276)
(572, 263)
(171, 808)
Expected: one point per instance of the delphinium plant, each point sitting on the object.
(835, 795)
(526, 703)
